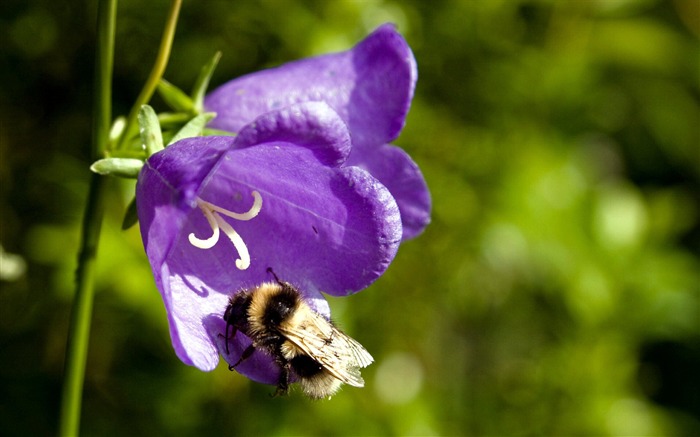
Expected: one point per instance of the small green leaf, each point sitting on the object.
(173, 120)
(121, 167)
(149, 127)
(202, 82)
(194, 127)
(175, 97)
(117, 128)
(130, 216)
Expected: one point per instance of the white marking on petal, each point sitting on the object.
(213, 215)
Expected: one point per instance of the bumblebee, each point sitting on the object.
(302, 342)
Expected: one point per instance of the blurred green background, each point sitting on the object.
(555, 293)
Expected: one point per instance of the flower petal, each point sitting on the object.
(166, 193)
(369, 86)
(393, 167)
(333, 229)
(312, 124)
(162, 201)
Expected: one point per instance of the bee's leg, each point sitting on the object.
(283, 383)
(245, 355)
(227, 337)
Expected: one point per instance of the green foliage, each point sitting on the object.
(193, 128)
(555, 293)
(121, 167)
(149, 130)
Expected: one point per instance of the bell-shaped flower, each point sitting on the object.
(370, 86)
(217, 212)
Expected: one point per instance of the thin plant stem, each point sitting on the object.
(81, 315)
(157, 71)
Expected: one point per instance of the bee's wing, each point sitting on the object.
(339, 354)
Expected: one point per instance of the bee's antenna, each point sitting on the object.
(269, 270)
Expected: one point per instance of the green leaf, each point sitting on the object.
(121, 167)
(202, 82)
(175, 97)
(117, 129)
(130, 216)
(173, 120)
(194, 127)
(149, 127)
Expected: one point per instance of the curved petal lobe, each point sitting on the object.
(311, 124)
(369, 86)
(393, 167)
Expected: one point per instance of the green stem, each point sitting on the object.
(79, 330)
(157, 71)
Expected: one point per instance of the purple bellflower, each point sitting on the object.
(217, 212)
(308, 187)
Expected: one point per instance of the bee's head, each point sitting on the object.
(237, 309)
(279, 302)
(236, 314)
